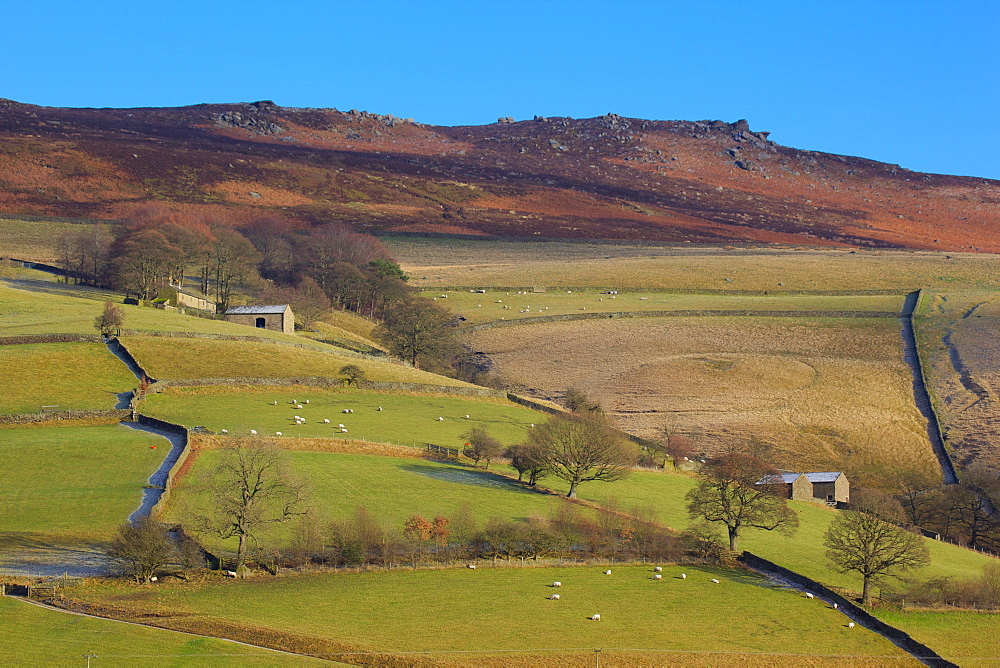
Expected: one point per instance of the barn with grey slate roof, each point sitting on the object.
(275, 317)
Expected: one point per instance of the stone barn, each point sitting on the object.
(277, 318)
(829, 486)
(193, 299)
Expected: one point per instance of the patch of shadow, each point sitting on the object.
(124, 399)
(467, 477)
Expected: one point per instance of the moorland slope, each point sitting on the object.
(608, 177)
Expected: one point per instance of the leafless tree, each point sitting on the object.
(579, 449)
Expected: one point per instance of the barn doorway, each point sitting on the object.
(261, 323)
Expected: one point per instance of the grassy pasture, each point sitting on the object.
(74, 376)
(34, 636)
(406, 418)
(165, 357)
(502, 616)
(72, 484)
(45, 307)
(32, 240)
(965, 638)
(434, 263)
(825, 393)
(496, 305)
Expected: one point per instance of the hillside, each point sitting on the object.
(608, 177)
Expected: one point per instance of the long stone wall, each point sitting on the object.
(899, 638)
(110, 415)
(50, 338)
(326, 381)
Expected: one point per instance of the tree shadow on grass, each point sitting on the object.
(464, 476)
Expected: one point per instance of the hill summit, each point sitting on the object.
(608, 177)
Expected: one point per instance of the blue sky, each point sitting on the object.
(915, 83)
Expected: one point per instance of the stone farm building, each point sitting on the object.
(193, 299)
(829, 486)
(277, 318)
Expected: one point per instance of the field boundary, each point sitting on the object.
(112, 415)
(26, 339)
(683, 291)
(607, 315)
(921, 394)
(901, 639)
(327, 382)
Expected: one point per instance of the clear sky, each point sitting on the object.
(915, 83)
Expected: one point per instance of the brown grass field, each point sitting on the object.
(433, 263)
(824, 393)
(961, 355)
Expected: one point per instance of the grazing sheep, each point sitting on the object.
(345, 411)
(350, 410)
(684, 576)
(225, 431)
(557, 584)
(607, 572)
(554, 597)
(340, 426)
(274, 403)
(835, 606)
(808, 595)
(343, 431)
(230, 574)
(307, 401)
(850, 625)
(253, 432)
(294, 401)
(278, 433)
(379, 408)
(715, 581)
(596, 618)
(466, 417)
(657, 577)
(298, 407)
(440, 419)
(658, 569)
(472, 566)
(532, 424)
(325, 421)
(153, 579)
(296, 418)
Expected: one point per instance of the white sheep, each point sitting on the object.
(658, 569)
(340, 426)
(379, 408)
(715, 581)
(296, 418)
(153, 579)
(657, 577)
(325, 421)
(596, 618)
(306, 401)
(225, 431)
(278, 433)
(440, 419)
(607, 572)
(835, 606)
(253, 432)
(554, 597)
(350, 410)
(684, 576)
(808, 595)
(557, 584)
(294, 401)
(274, 403)
(345, 411)
(466, 417)
(298, 407)
(343, 431)
(230, 574)
(850, 625)
(472, 566)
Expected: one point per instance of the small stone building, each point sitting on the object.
(277, 318)
(193, 299)
(829, 486)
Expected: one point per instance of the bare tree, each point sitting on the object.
(579, 450)
(728, 492)
(863, 541)
(481, 446)
(111, 319)
(141, 549)
(249, 490)
(418, 331)
(527, 459)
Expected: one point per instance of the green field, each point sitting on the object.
(33, 240)
(168, 357)
(34, 636)
(72, 484)
(406, 419)
(494, 305)
(73, 376)
(966, 638)
(506, 610)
